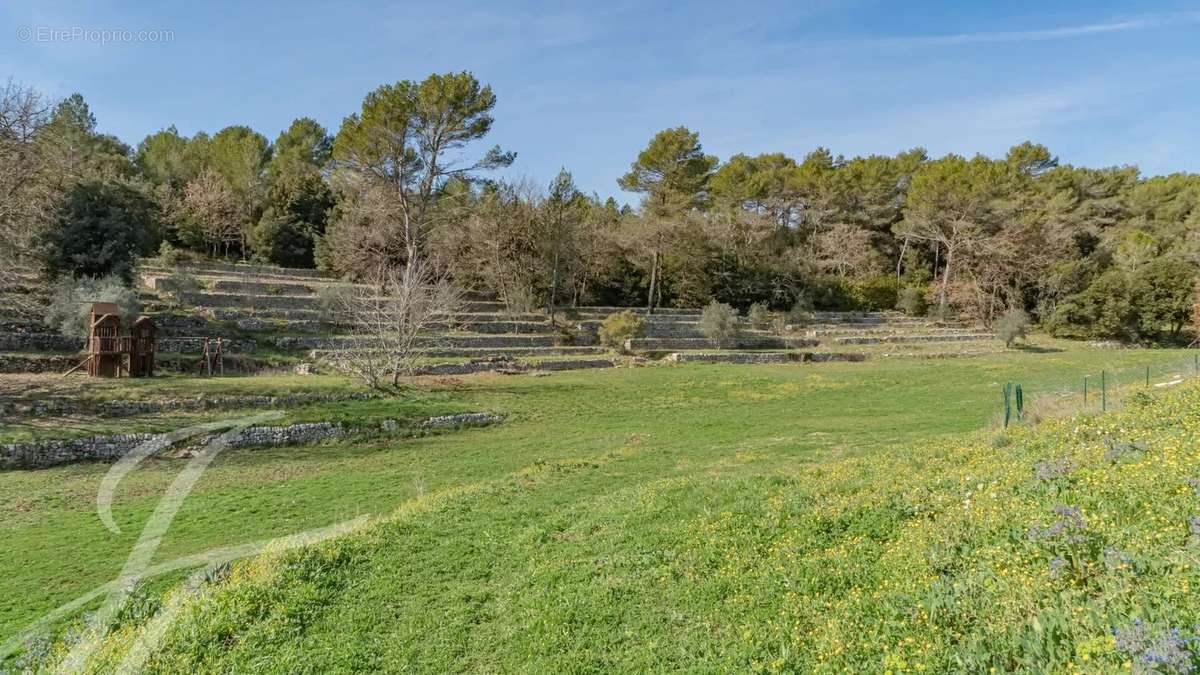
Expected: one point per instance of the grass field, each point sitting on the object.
(701, 517)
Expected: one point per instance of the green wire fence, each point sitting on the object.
(1104, 390)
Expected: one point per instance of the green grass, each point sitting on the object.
(707, 516)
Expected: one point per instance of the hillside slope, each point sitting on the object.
(1071, 546)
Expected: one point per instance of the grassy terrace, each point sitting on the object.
(700, 516)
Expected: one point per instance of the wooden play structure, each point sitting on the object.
(109, 353)
(213, 360)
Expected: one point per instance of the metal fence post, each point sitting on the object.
(1103, 392)
(1007, 403)
(1085, 391)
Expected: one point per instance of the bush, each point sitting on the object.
(183, 281)
(876, 293)
(801, 311)
(1106, 308)
(834, 294)
(520, 299)
(331, 298)
(619, 327)
(168, 255)
(911, 301)
(779, 323)
(72, 301)
(1013, 325)
(759, 314)
(719, 323)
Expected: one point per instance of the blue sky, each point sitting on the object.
(586, 85)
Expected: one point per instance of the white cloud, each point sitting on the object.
(1041, 35)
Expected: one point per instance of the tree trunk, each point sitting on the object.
(553, 288)
(900, 259)
(942, 302)
(653, 283)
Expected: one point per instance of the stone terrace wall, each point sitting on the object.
(39, 342)
(56, 407)
(20, 363)
(43, 454)
(512, 365)
(735, 357)
(764, 357)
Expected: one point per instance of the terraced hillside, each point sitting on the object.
(281, 316)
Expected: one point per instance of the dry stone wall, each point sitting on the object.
(43, 454)
(121, 408)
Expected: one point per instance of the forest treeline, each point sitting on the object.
(1100, 252)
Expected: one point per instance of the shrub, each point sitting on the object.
(876, 293)
(168, 255)
(1013, 325)
(72, 300)
(330, 300)
(183, 281)
(911, 301)
(779, 323)
(834, 294)
(802, 309)
(759, 314)
(719, 323)
(619, 327)
(520, 299)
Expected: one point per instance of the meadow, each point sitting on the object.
(704, 517)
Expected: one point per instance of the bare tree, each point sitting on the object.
(396, 318)
(27, 187)
(361, 241)
(845, 250)
(212, 212)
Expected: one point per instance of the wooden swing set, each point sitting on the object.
(109, 354)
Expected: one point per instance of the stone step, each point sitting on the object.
(169, 284)
(233, 314)
(674, 328)
(244, 270)
(825, 315)
(902, 339)
(603, 312)
(764, 357)
(262, 288)
(742, 342)
(250, 302)
(482, 352)
(437, 341)
(890, 329)
(310, 326)
(507, 365)
(309, 302)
